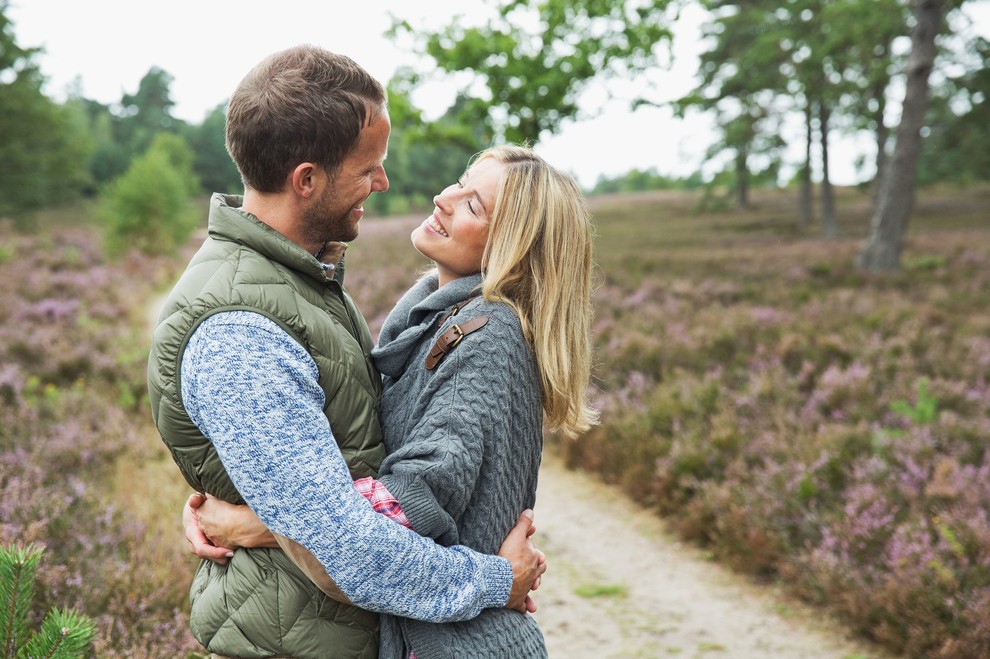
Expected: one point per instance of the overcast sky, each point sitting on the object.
(208, 45)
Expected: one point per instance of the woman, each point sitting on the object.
(475, 358)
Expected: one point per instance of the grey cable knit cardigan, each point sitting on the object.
(464, 444)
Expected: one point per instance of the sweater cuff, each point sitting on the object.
(497, 581)
(421, 508)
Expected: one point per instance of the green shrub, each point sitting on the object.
(150, 207)
(925, 408)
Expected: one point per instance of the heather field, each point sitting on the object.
(76, 438)
(806, 424)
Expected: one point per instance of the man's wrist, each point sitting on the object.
(497, 580)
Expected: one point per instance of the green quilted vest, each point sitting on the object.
(261, 604)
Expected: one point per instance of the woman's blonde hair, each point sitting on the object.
(538, 260)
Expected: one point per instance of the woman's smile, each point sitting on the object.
(433, 223)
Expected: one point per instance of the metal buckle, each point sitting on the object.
(460, 335)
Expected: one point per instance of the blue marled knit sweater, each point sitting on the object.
(464, 443)
(253, 391)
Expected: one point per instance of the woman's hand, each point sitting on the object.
(230, 526)
(199, 543)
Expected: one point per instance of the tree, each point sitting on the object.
(147, 112)
(63, 634)
(110, 156)
(768, 60)
(41, 142)
(213, 165)
(122, 131)
(848, 75)
(149, 207)
(958, 146)
(863, 44)
(882, 251)
(528, 65)
(740, 79)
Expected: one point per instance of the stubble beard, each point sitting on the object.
(326, 221)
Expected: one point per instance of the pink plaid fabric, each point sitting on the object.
(381, 500)
(384, 503)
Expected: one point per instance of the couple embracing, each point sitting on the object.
(352, 499)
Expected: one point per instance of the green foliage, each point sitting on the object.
(213, 165)
(110, 156)
(149, 208)
(43, 146)
(770, 59)
(122, 131)
(637, 180)
(958, 147)
(147, 113)
(601, 590)
(423, 157)
(17, 568)
(739, 75)
(925, 408)
(535, 57)
(63, 634)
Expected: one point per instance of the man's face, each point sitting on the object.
(338, 211)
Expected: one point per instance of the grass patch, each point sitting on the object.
(601, 590)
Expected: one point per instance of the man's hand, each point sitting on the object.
(528, 563)
(199, 544)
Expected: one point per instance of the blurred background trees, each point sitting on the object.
(40, 141)
(149, 206)
(832, 66)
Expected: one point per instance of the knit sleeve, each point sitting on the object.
(462, 414)
(253, 391)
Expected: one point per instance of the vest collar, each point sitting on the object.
(228, 222)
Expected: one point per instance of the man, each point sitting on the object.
(259, 351)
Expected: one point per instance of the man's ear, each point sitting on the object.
(304, 179)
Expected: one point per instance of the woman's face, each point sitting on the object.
(454, 237)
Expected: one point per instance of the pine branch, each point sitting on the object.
(63, 635)
(17, 569)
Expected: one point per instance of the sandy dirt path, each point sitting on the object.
(618, 585)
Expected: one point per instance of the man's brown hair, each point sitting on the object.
(302, 104)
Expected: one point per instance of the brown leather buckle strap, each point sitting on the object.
(449, 339)
(454, 309)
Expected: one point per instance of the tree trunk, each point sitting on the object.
(882, 251)
(742, 179)
(882, 133)
(805, 217)
(881, 163)
(829, 224)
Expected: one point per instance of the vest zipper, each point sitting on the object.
(339, 292)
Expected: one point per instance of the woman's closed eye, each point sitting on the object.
(460, 184)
